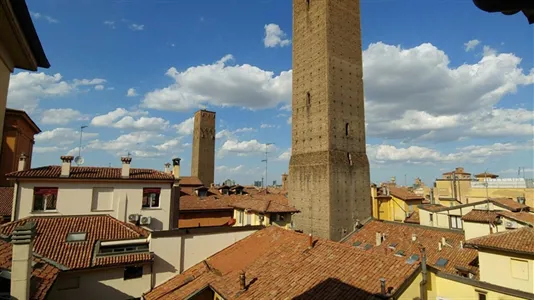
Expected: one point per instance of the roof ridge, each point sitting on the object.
(124, 224)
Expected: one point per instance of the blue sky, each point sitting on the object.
(446, 85)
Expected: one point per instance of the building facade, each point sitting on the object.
(203, 153)
(329, 169)
(18, 140)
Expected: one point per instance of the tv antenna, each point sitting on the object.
(79, 159)
(266, 161)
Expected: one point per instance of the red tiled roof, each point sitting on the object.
(481, 216)
(50, 241)
(525, 217)
(432, 207)
(486, 174)
(190, 181)
(92, 173)
(413, 218)
(6, 201)
(264, 206)
(404, 193)
(429, 237)
(510, 204)
(518, 240)
(279, 265)
(44, 275)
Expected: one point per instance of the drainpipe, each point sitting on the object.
(422, 284)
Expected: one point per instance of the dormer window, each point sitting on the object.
(225, 191)
(202, 192)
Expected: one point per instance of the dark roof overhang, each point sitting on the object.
(508, 7)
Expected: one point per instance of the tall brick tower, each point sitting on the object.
(203, 161)
(329, 170)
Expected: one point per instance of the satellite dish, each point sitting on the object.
(79, 160)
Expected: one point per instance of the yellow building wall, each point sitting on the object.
(392, 209)
(503, 270)
(473, 230)
(412, 292)
(445, 289)
(477, 194)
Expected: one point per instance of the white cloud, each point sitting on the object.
(488, 51)
(186, 127)
(285, 156)
(84, 82)
(99, 87)
(124, 119)
(263, 126)
(48, 149)
(62, 137)
(61, 116)
(38, 16)
(230, 170)
(289, 120)
(221, 85)
(141, 144)
(225, 133)
(111, 24)
(245, 129)
(470, 45)
(519, 172)
(131, 92)
(274, 36)
(423, 155)
(244, 147)
(137, 27)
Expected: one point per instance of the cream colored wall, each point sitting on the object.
(497, 269)
(4, 84)
(170, 260)
(445, 289)
(473, 229)
(102, 284)
(476, 194)
(76, 198)
(412, 291)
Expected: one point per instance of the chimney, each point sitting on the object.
(65, 165)
(125, 172)
(439, 246)
(22, 162)
(443, 241)
(310, 243)
(176, 167)
(167, 168)
(242, 281)
(378, 239)
(21, 265)
(383, 286)
(461, 244)
(414, 237)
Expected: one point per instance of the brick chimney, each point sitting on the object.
(22, 162)
(378, 239)
(125, 172)
(176, 167)
(167, 168)
(21, 265)
(66, 162)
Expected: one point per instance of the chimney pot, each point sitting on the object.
(21, 266)
(176, 167)
(443, 241)
(22, 162)
(310, 244)
(243, 281)
(66, 162)
(378, 239)
(383, 286)
(167, 168)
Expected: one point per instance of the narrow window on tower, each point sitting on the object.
(308, 3)
(308, 99)
(346, 129)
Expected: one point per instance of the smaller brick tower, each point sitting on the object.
(203, 161)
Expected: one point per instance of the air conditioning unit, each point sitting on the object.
(145, 220)
(133, 217)
(511, 225)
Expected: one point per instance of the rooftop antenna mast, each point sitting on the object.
(266, 161)
(79, 159)
(486, 184)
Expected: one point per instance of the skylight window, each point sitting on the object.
(392, 245)
(76, 236)
(368, 246)
(400, 253)
(412, 259)
(442, 262)
(357, 243)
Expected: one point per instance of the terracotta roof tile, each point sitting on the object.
(52, 232)
(6, 201)
(122, 259)
(510, 204)
(525, 217)
(264, 206)
(43, 273)
(486, 174)
(432, 207)
(518, 240)
(404, 194)
(400, 235)
(92, 173)
(481, 216)
(413, 218)
(279, 265)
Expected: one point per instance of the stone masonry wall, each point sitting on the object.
(203, 152)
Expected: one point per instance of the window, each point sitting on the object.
(44, 199)
(410, 208)
(456, 222)
(133, 272)
(122, 249)
(151, 197)
(249, 218)
(519, 268)
(102, 199)
(346, 129)
(240, 216)
(308, 99)
(431, 217)
(76, 236)
(442, 262)
(521, 200)
(481, 296)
